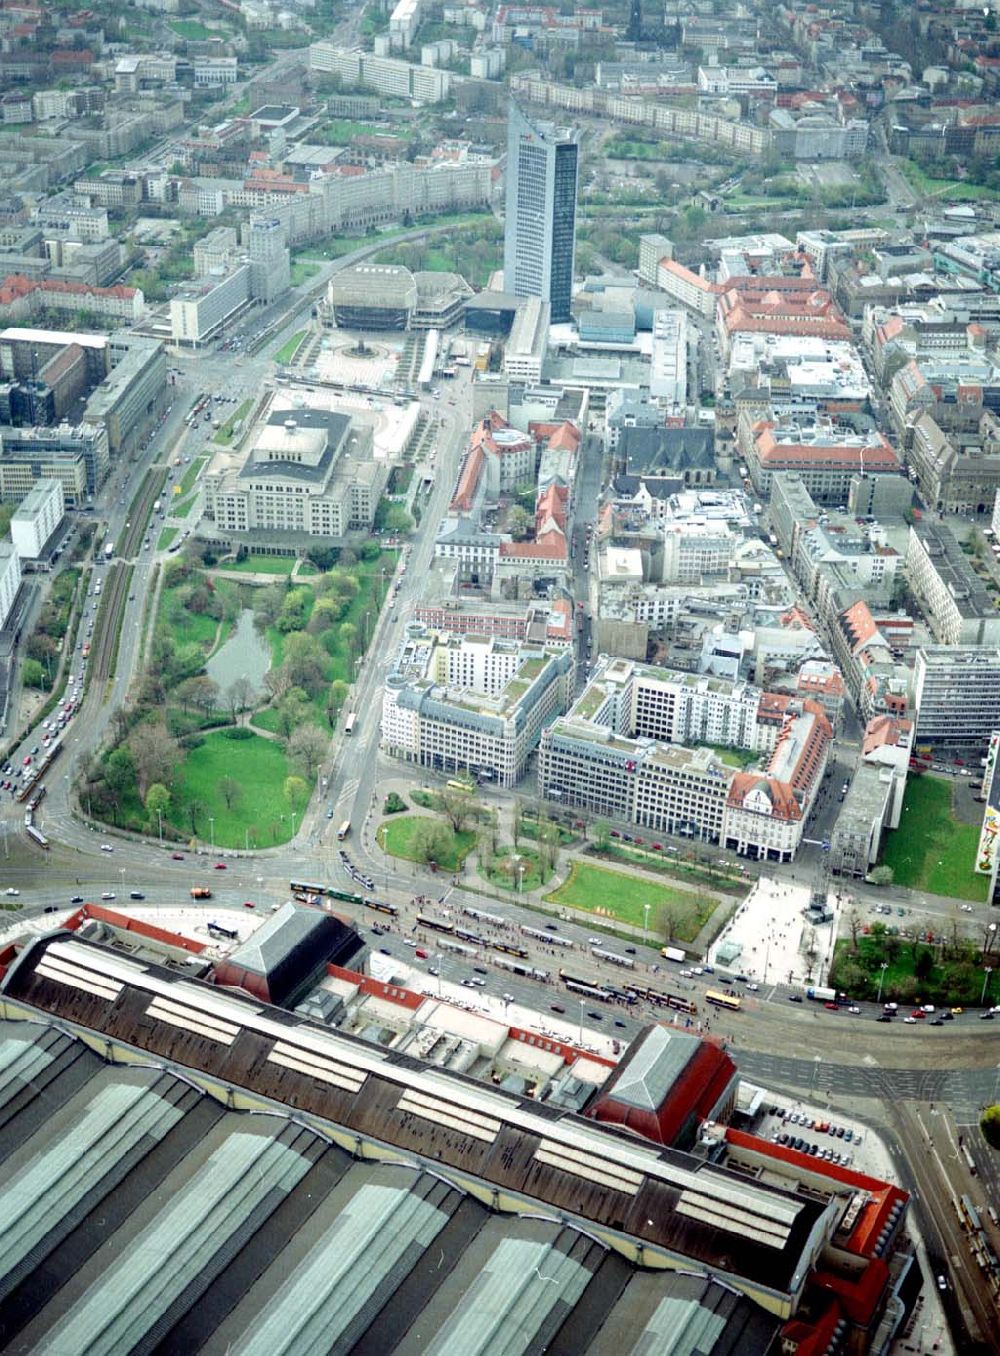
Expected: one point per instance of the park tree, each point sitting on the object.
(239, 695)
(881, 875)
(348, 633)
(326, 612)
(854, 923)
(397, 519)
(305, 660)
(459, 806)
(267, 603)
(155, 754)
(291, 712)
(230, 791)
(307, 748)
(602, 835)
(200, 693)
(277, 681)
(157, 801)
(32, 674)
(195, 809)
(432, 841)
(336, 696)
(119, 773)
(989, 1123)
(296, 792)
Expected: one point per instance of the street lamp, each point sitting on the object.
(991, 932)
(159, 815)
(645, 922)
(581, 1001)
(883, 967)
(211, 832)
(987, 971)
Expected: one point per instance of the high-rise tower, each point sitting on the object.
(540, 231)
(634, 33)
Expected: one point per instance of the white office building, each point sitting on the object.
(36, 518)
(668, 366)
(10, 579)
(200, 311)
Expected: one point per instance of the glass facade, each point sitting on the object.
(540, 230)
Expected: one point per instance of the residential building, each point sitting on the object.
(386, 75)
(10, 579)
(309, 473)
(960, 609)
(473, 702)
(540, 227)
(957, 697)
(36, 518)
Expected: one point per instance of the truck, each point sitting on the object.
(821, 994)
(673, 953)
(109, 550)
(156, 506)
(200, 892)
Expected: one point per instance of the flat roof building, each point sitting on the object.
(957, 697)
(540, 225)
(36, 518)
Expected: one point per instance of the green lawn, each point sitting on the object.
(166, 538)
(225, 433)
(301, 271)
(931, 850)
(290, 347)
(260, 767)
(187, 481)
(261, 565)
(612, 894)
(191, 30)
(396, 838)
(943, 188)
(182, 507)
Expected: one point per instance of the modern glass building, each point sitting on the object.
(540, 231)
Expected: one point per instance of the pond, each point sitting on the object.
(245, 654)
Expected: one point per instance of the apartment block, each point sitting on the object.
(10, 579)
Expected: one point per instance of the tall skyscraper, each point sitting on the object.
(540, 232)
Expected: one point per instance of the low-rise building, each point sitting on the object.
(473, 702)
(36, 518)
(77, 456)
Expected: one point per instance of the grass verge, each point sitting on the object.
(396, 838)
(611, 894)
(931, 850)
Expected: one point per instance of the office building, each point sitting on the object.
(960, 609)
(625, 751)
(36, 518)
(129, 400)
(75, 456)
(307, 472)
(10, 579)
(957, 698)
(199, 311)
(473, 702)
(270, 258)
(540, 228)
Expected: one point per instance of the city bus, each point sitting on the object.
(344, 830)
(349, 722)
(723, 1000)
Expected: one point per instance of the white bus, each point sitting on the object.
(344, 830)
(349, 722)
